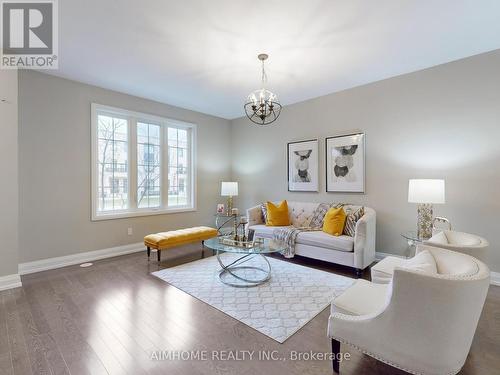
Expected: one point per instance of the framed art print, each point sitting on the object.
(303, 170)
(345, 163)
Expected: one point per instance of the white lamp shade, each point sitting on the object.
(229, 189)
(426, 191)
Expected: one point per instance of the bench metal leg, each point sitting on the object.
(158, 252)
(149, 252)
(202, 249)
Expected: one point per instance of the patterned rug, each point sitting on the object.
(289, 300)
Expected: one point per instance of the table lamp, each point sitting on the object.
(425, 192)
(230, 190)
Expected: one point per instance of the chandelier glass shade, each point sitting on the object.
(262, 106)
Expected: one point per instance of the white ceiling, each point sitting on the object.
(201, 54)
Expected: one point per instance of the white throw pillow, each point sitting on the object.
(423, 261)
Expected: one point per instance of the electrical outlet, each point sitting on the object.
(129, 231)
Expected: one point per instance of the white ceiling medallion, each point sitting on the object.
(262, 106)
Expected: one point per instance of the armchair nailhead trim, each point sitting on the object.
(453, 372)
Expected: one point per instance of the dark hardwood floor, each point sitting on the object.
(111, 317)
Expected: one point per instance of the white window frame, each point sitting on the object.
(132, 119)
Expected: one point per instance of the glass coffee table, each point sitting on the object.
(238, 274)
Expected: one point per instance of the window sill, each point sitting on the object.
(138, 213)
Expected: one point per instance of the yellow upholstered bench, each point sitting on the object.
(167, 240)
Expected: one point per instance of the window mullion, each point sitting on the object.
(164, 167)
(113, 144)
(132, 168)
(189, 174)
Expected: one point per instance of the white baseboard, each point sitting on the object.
(69, 260)
(10, 281)
(494, 276)
(14, 281)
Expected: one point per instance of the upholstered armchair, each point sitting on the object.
(465, 243)
(421, 322)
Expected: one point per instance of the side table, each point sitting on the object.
(413, 240)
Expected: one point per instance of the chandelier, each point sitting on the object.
(262, 106)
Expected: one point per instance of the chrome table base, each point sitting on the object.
(232, 268)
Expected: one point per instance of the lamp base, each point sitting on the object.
(424, 221)
(230, 205)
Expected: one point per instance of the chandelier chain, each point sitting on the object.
(264, 75)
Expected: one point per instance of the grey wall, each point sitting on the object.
(442, 122)
(54, 167)
(8, 173)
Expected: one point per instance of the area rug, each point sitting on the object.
(289, 300)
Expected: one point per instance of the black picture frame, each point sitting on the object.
(250, 235)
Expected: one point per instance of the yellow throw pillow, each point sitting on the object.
(277, 215)
(334, 221)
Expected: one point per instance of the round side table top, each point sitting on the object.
(412, 235)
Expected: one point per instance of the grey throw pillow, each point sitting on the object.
(353, 215)
(263, 209)
(320, 212)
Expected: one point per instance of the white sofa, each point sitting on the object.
(421, 322)
(357, 252)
